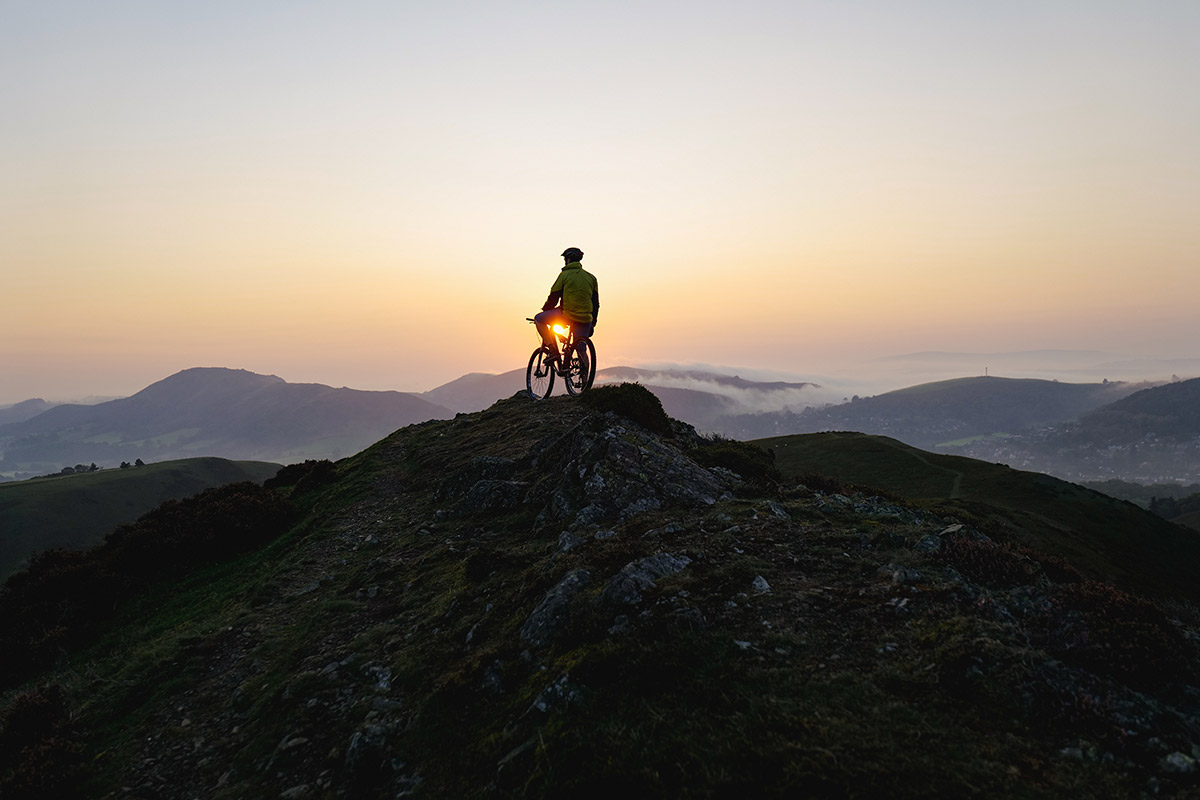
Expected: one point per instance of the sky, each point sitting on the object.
(375, 194)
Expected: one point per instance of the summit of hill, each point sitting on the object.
(582, 596)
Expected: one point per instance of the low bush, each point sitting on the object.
(1111, 632)
(998, 565)
(753, 463)
(40, 755)
(305, 477)
(632, 401)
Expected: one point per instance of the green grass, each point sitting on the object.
(813, 705)
(1109, 539)
(75, 511)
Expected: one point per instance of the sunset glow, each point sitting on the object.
(375, 195)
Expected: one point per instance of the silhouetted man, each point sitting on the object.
(574, 300)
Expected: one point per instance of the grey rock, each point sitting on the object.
(626, 587)
(602, 472)
(544, 623)
(557, 696)
(491, 495)
(778, 510)
(1178, 763)
(477, 470)
(568, 541)
(760, 585)
(928, 544)
(367, 751)
(900, 574)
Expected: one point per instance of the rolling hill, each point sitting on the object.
(1113, 539)
(931, 414)
(211, 412)
(1170, 411)
(584, 598)
(1147, 437)
(19, 412)
(77, 511)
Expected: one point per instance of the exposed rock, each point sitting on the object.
(1178, 763)
(544, 623)
(557, 696)
(477, 470)
(928, 544)
(491, 495)
(604, 472)
(900, 574)
(626, 587)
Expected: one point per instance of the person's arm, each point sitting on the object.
(556, 293)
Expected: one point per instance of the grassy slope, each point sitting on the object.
(374, 629)
(1191, 520)
(76, 511)
(1109, 538)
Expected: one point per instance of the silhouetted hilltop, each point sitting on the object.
(214, 412)
(19, 412)
(581, 597)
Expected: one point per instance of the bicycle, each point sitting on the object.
(577, 365)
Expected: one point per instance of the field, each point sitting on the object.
(75, 511)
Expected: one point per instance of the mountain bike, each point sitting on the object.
(576, 365)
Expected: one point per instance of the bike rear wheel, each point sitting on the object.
(539, 375)
(581, 367)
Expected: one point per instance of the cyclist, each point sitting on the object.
(574, 299)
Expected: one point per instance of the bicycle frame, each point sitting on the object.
(576, 366)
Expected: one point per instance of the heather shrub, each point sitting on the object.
(632, 401)
(999, 565)
(753, 463)
(1111, 632)
(40, 756)
(305, 477)
(824, 484)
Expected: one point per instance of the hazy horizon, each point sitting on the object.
(374, 196)
(867, 378)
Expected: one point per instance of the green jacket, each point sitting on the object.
(580, 295)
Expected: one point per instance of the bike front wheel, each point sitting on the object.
(539, 375)
(581, 367)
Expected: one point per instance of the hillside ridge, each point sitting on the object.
(571, 596)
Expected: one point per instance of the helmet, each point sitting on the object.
(573, 253)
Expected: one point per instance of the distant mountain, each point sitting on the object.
(77, 511)
(933, 413)
(476, 390)
(1147, 437)
(19, 412)
(212, 411)
(1170, 411)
